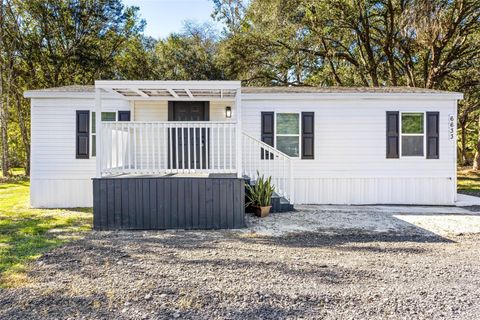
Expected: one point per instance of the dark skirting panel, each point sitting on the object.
(153, 203)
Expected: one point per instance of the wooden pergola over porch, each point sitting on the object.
(120, 141)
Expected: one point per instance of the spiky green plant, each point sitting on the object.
(260, 194)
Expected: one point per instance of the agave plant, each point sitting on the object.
(260, 195)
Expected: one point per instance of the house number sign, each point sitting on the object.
(451, 127)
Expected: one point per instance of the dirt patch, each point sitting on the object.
(232, 275)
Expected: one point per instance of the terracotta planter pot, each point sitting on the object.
(262, 212)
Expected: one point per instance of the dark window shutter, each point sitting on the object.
(268, 131)
(123, 115)
(170, 110)
(392, 134)
(268, 127)
(82, 134)
(308, 133)
(433, 138)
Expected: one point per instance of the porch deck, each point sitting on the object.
(173, 175)
(184, 170)
(169, 201)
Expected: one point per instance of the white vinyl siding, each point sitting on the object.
(58, 179)
(158, 111)
(349, 166)
(350, 148)
(217, 111)
(151, 111)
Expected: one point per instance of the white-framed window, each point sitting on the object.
(106, 116)
(412, 134)
(287, 133)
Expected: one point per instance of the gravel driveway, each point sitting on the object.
(243, 275)
(399, 220)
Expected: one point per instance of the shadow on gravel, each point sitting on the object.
(152, 241)
(55, 304)
(104, 257)
(313, 240)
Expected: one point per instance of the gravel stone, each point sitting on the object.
(237, 275)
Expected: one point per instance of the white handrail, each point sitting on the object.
(261, 158)
(151, 147)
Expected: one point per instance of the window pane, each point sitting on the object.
(94, 145)
(108, 116)
(287, 123)
(412, 122)
(412, 146)
(288, 145)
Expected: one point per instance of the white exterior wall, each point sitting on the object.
(158, 110)
(350, 165)
(58, 179)
(150, 111)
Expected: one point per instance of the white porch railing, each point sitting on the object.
(168, 147)
(258, 156)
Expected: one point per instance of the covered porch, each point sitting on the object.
(174, 160)
(178, 158)
(174, 127)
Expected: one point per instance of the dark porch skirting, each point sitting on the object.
(168, 202)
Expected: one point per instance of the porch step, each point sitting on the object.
(279, 203)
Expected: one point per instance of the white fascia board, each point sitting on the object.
(70, 95)
(170, 98)
(351, 96)
(203, 84)
(113, 96)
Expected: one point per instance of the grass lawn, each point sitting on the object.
(468, 181)
(26, 233)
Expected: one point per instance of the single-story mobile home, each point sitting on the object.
(132, 148)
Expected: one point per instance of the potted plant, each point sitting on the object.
(259, 196)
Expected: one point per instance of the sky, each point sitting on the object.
(166, 16)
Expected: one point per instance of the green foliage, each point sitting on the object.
(63, 42)
(343, 42)
(261, 193)
(420, 43)
(190, 55)
(412, 123)
(468, 182)
(26, 233)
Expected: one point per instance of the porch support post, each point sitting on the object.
(238, 109)
(98, 131)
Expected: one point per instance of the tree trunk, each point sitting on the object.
(23, 132)
(463, 143)
(476, 161)
(3, 106)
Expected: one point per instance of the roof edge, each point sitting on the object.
(353, 95)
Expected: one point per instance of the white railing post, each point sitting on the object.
(291, 187)
(149, 147)
(238, 132)
(98, 132)
(268, 161)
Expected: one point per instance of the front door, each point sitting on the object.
(188, 148)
